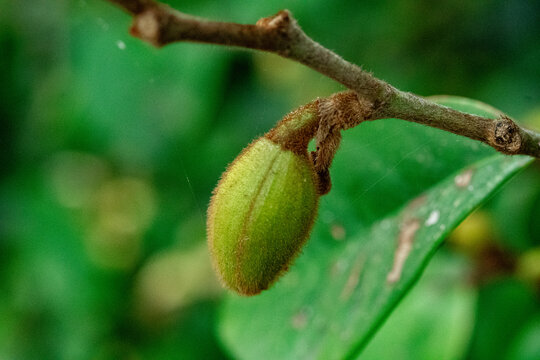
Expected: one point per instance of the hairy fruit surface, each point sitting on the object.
(260, 215)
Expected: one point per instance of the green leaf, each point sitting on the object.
(526, 346)
(504, 306)
(398, 190)
(430, 333)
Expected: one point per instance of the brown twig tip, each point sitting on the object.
(146, 27)
(505, 136)
(281, 20)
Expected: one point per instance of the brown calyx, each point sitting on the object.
(323, 119)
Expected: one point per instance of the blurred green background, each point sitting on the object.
(110, 150)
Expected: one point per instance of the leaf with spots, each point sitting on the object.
(399, 189)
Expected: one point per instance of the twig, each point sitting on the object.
(160, 25)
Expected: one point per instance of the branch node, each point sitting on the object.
(281, 20)
(278, 27)
(146, 26)
(505, 135)
(340, 111)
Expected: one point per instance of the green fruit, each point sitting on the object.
(261, 214)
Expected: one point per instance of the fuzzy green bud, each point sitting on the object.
(261, 214)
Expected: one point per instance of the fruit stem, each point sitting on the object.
(297, 128)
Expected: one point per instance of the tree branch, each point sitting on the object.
(160, 25)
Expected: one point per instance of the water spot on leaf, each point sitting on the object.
(300, 319)
(338, 232)
(405, 242)
(433, 218)
(353, 279)
(337, 268)
(103, 24)
(464, 179)
(417, 202)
